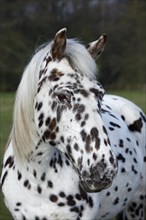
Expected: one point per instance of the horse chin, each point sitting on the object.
(94, 187)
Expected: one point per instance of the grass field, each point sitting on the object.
(6, 108)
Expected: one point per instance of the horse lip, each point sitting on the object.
(95, 187)
(87, 189)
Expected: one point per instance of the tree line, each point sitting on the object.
(26, 24)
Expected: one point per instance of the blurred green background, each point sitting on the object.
(26, 24)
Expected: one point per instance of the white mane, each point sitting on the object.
(24, 135)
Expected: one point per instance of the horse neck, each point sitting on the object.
(38, 160)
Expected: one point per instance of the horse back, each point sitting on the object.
(131, 114)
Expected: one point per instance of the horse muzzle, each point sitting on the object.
(96, 181)
(92, 186)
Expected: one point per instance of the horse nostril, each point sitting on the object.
(85, 174)
(95, 175)
(92, 176)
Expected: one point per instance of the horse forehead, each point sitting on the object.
(58, 79)
(64, 66)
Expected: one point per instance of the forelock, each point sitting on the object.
(80, 58)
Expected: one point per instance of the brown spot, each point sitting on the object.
(41, 73)
(143, 116)
(94, 133)
(78, 117)
(41, 83)
(39, 106)
(36, 105)
(83, 135)
(80, 162)
(83, 193)
(104, 130)
(53, 198)
(94, 156)
(41, 116)
(62, 194)
(47, 121)
(52, 143)
(86, 116)
(76, 146)
(68, 148)
(111, 159)
(57, 129)
(115, 125)
(78, 197)
(97, 143)
(39, 189)
(50, 184)
(95, 91)
(83, 123)
(48, 60)
(79, 108)
(61, 204)
(4, 177)
(9, 160)
(19, 175)
(94, 136)
(62, 139)
(88, 141)
(90, 201)
(53, 123)
(54, 104)
(40, 123)
(121, 143)
(70, 200)
(55, 75)
(60, 109)
(43, 176)
(120, 157)
(105, 142)
(84, 92)
(52, 136)
(46, 135)
(60, 161)
(136, 126)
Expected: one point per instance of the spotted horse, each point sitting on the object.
(73, 152)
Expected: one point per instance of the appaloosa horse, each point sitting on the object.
(73, 153)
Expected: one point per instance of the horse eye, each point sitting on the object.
(62, 97)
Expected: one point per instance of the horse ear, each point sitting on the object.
(95, 48)
(59, 44)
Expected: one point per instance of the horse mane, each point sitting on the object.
(80, 58)
(24, 134)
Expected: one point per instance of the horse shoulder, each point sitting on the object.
(129, 112)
